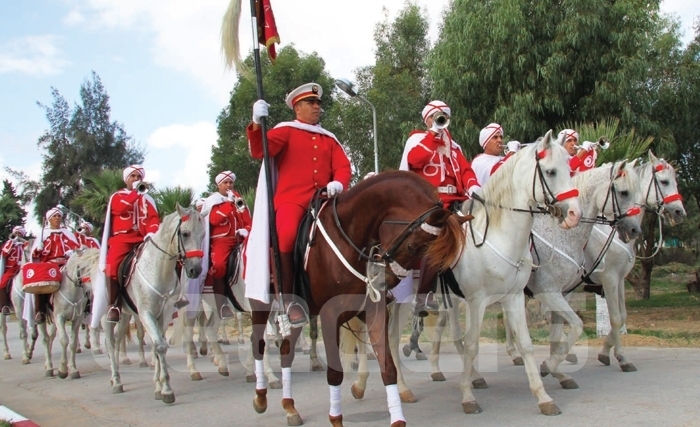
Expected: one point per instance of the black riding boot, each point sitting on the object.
(40, 303)
(425, 302)
(4, 302)
(295, 312)
(114, 314)
(222, 306)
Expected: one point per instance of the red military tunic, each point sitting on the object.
(131, 217)
(88, 242)
(224, 222)
(12, 252)
(452, 175)
(580, 164)
(56, 244)
(307, 158)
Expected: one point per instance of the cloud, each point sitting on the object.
(34, 55)
(179, 154)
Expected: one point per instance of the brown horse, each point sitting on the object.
(391, 221)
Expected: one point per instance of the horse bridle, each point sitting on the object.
(661, 200)
(388, 255)
(182, 254)
(611, 196)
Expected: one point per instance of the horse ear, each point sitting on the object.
(546, 141)
(633, 163)
(652, 158)
(619, 169)
(180, 210)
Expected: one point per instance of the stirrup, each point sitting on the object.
(299, 322)
(6, 310)
(221, 312)
(119, 315)
(182, 302)
(39, 318)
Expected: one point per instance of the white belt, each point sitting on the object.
(447, 189)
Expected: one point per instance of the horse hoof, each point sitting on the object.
(125, 361)
(275, 385)
(628, 367)
(250, 378)
(143, 364)
(223, 372)
(549, 408)
(25, 361)
(294, 420)
(87, 346)
(398, 424)
(569, 384)
(407, 397)
(78, 350)
(336, 421)
(406, 350)
(62, 375)
(48, 373)
(604, 359)
(316, 367)
(518, 361)
(572, 358)
(260, 401)
(357, 392)
(544, 369)
(157, 395)
(203, 351)
(196, 376)
(480, 384)
(8, 357)
(168, 398)
(116, 389)
(438, 376)
(75, 375)
(471, 407)
(421, 356)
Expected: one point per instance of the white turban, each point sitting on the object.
(53, 211)
(488, 132)
(86, 226)
(19, 230)
(433, 107)
(566, 134)
(132, 168)
(223, 175)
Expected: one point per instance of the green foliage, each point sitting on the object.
(533, 65)
(291, 69)
(11, 212)
(623, 144)
(167, 198)
(5, 423)
(80, 141)
(94, 195)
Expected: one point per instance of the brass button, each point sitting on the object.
(314, 159)
(315, 147)
(313, 137)
(315, 171)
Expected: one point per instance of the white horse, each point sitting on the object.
(496, 262)
(658, 182)
(611, 190)
(153, 285)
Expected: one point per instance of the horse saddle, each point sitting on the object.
(233, 265)
(126, 268)
(306, 237)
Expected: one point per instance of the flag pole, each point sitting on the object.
(274, 241)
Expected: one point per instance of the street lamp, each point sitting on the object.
(346, 86)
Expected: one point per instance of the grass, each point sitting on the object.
(5, 423)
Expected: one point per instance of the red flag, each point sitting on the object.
(267, 29)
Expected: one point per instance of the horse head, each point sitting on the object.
(659, 180)
(621, 200)
(190, 235)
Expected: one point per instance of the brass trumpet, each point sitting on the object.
(441, 120)
(237, 201)
(141, 187)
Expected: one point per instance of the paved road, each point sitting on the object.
(664, 391)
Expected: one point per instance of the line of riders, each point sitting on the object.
(307, 158)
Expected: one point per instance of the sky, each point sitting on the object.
(161, 66)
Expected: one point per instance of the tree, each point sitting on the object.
(396, 85)
(11, 211)
(94, 196)
(533, 65)
(291, 69)
(80, 140)
(167, 198)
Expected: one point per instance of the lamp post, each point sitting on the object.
(346, 86)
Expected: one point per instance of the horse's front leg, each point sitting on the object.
(560, 343)
(514, 306)
(471, 350)
(378, 324)
(400, 313)
(287, 358)
(3, 329)
(60, 320)
(140, 335)
(75, 346)
(188, 345)
(210, 328)
(111, 330)
(47, 340)
(161, 377)
(313, 334)
(615, 299)
(257, 339)
(97, 347)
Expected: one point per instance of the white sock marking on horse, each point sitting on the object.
(260, 378)
(335, 401)
(393, 401)
(286, 383)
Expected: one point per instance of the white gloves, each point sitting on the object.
(260, 109)
(587, 145)
(513, 146)
(334, 188)
(437, 130)
(242, 232)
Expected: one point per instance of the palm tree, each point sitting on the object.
(95, 194)
(169, 196)
(623, 145)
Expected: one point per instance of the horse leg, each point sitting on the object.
(615, 302)
(510, 343)
(3, 330)
(202, 334)
(87, 344)
(220, 360)
(560, 343)
(26, 356)
(474, 318)
(124, 356)
(111, 343)
(241, 332)
(313, 352)
(272, 381)
(625, 364)
(75, 346)
(60, 321)
(97, 349)
(360, 385)
(287, 358)
(437, 374)
(336, 338)
(189, 347)
(161, 377)
(514, 305)
(400, 314)
(140, 336)
(47, 340)
(257, 340)
(222, 336)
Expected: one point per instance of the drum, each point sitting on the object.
(41, 277)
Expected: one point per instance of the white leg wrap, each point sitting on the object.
(335, 401)
(260, 378)
(393, 401)
(286, 383)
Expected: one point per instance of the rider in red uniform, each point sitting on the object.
(11, 256)
(131, 218)
(435, 156)
(58, 245)
(581, 158)
(85, 238)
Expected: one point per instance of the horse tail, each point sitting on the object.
(449, 243)
(230, 43)
(348, 340)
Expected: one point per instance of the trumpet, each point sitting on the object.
(603, 142)
(141, 187)
(237, 201)
(441, 120)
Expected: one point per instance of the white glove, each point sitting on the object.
(437, 130)
(242, 232)
(475, 189)
(40, 247)
(260, 109)
(587, 145)
(334, 188)
(513, 146)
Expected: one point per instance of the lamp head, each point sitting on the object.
(346, 86)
